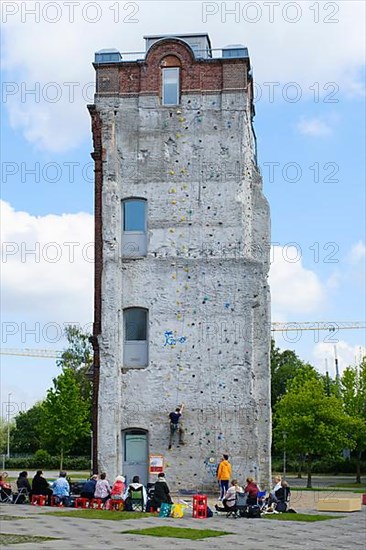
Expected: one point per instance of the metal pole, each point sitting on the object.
(284, 455)
(8, 449)
(91, 452)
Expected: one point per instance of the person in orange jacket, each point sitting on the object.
(224, 475)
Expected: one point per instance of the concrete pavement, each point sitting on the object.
(258, 534)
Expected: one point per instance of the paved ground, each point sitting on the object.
(258, 534)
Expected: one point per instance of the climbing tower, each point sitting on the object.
(181, 264)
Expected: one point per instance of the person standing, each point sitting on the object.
(176, 425)
(224, 475)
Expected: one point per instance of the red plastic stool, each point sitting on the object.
(116, 504)
(96, 504)
(38, 500)
(53, 502)
(199, 507)
(81, 502)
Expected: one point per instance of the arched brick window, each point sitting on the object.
(170, 80)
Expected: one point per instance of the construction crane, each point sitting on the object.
(31, 352)
(331, 326)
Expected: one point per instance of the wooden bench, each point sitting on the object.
(339, 504)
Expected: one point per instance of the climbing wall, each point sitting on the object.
(204, 283)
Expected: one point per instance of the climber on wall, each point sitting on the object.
(176, 425)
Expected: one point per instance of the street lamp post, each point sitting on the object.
(284, 454)
(8, 418)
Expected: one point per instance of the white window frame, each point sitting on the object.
(134, 243)
(177, 70)
(136, 352)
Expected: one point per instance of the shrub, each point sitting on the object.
(43, 458)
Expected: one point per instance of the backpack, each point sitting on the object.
(209, 512)
(281, 507)
(253, 511)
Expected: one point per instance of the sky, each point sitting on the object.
(309, 71)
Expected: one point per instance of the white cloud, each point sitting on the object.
(316, 126)
(347, 355)
(357, 254)
(296, 291)
(320, 48)
(45, 278)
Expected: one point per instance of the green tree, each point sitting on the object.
(315, 424)
(25, 437)
(353, 392)
(78, 356)
(4, 430)
(284, 367)
(65, 416)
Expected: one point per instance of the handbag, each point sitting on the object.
(165, 510)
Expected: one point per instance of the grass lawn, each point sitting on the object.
(100, 514)
(178, 533)
(7, 517)
(8, 538)
(300, 517)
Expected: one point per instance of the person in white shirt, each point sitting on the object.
(103, 488)
(135, 486)
(272, 495)
(230, 497)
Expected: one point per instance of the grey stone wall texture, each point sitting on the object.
(204, 278)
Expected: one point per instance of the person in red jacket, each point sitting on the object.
(251, 489)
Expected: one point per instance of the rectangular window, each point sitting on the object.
(135, 324)
(171, 86)
(134, 228)
(134, 215)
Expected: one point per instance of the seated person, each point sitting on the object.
(134, 486)
(40, 486)
(61, 490)
(230, 497)
(283, 493)
(103, 488)
(251, 489)
(5, 485)
(118, 488)
(24, 485)
(272, 495)
(161, 493)
(89, 487)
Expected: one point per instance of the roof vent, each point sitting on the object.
(110, 55)
(235, 50)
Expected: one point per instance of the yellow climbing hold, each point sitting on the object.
(173, 202)
(177, 135)
(183, 218)
(181, 119)
(171, 230)
(171, 172)
(172, 190)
